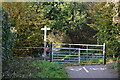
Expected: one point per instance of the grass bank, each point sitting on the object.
(115, 67)
(32, 69)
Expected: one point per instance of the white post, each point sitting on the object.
(87, 49)
(104, 55)
(45, 31)
(45, 34)
(79, 55)
(69, 51)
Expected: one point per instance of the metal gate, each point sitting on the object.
(78, 53)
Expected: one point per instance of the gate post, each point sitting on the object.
(104, 54)
(69, 51)
(79, 54)
(51, 52)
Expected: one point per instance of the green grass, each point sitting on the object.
(30, 68)
(111, 59)
(116, 67)
(50, 70)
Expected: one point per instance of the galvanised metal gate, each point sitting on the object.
(78, 53)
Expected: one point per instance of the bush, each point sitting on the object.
(31, 68)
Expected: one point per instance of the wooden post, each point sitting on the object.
(104, 54)
(79, 54)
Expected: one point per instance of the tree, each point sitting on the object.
(68, 18)
(103, 22)
(25, 18)
(116, 16)
(6, 39)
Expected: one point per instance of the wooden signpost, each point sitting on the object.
(45, 34)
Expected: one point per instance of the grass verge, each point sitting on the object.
(116, 68)
(32, 69)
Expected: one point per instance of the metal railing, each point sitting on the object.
(78, 53)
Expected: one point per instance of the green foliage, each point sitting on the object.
(69, 18)
(115, 67)
(26, 24)
(65, 16)
(27, 19)
(111, 59)
(50, 70)
(102, 21)
(73, 19)
(30, 68)
(6, 39)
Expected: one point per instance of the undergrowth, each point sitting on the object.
(32, 69)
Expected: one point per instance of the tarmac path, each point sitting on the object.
(91, 71)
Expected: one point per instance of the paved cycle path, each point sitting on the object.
(93, 71)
